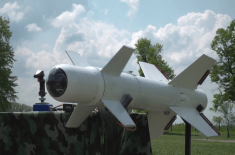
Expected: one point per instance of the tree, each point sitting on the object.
(225, 109)
(17, 107)
(223, 72)
(146, 52)
(217, 120)
(7, 92)
(149, 53)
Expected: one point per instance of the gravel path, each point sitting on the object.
(214, 140)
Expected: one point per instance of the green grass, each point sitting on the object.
(172, 142)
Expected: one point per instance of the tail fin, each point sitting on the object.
(196, 119)
(152, 72)
(158, 122)
(76, 59)
(195, 74)
(79, 115)
(116, 65)
(117, 109)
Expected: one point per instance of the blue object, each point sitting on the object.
(42, 107)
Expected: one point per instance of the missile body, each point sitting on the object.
(88, 86)
(92, 87)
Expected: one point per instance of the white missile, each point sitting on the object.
(92, 87)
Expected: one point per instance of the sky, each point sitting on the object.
(97, 29)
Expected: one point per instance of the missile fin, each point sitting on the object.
(192, 75)
(192, 116)
(157, 121)
(79, 115)
(76, 59)
(151, 72)
(117, 109)
(116, 65)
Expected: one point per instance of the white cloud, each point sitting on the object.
(99, 42)
(106, 11)
(178, 56)
(183, 43)
(45, 45)
(33, 27)
(67, 18)
(90, 14)
(94, 4)
(133, 6)
(13, 11)
(42, 60)
(100, 39)
(190, 38)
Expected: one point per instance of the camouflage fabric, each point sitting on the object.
(137, 142)
(44, 133)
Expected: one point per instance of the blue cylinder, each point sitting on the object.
(42, 107)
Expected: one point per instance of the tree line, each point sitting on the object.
(18, 107)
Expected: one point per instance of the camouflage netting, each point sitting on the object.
(39, 133)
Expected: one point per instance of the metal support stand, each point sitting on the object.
(187, 138)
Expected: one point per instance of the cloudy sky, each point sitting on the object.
(97, 29)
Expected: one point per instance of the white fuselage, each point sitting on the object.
(88, 86)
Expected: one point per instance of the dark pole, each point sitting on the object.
(187, 138)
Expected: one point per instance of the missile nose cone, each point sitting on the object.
(56, 82)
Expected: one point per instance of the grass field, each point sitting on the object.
(172, 143)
